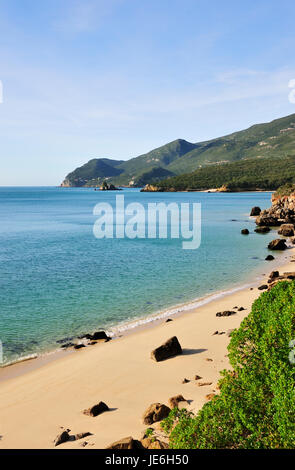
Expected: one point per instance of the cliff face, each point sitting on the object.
(66, 184)
(286, 202)
(281, 212)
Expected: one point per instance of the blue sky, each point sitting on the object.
(117, 78)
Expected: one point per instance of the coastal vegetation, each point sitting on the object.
(262, 141)
(245, 175)
(256, 405)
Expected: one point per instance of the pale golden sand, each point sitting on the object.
(35, 405)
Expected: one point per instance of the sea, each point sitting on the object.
(58, 281)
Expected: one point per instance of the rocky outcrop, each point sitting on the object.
(169, 349)
(281, 212)
(278, 244)
(155, 412)
(245, 231)
(149, 188)
(275, 277)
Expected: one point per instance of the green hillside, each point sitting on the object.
(274, 139)
(252, 174)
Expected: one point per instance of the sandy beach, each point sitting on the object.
(37, 401)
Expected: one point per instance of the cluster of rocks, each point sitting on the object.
(276, 277)
(134, 444)
(84, 340)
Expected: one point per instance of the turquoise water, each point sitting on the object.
(57, 280)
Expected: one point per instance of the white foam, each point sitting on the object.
(199, 302)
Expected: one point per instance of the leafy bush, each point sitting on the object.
(285, 190)
(256, 405)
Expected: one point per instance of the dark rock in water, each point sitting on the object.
(263, 287)
(96, 409)
(125, 443)
(67, 345)
(262, 229)
(269, 258)
(245, 231)
(155, 412)
(168, 320)
(62, 438)
(174, 401)
(79, 346)
(169, 349)
(255, 211)
(226, 313)
(287, 230)
(64, 340)
(278, 244)
(97, 336)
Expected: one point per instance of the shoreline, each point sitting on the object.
(32, 361)
(37, 402)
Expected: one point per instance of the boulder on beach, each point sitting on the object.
(262, 229)
(278, 244)
(169, 349)
(96, 410)
(263, 287)
(63, 437)
(269, 258)
(155, 412)
(245, 231)
(287, 230)
(174, 401)
(79, 346)
(255, 211)
(273, 275)
(125, 443)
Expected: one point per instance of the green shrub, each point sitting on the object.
(256, 405)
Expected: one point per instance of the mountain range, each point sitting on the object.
(260, 141)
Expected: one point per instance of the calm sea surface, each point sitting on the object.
(57, 280)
